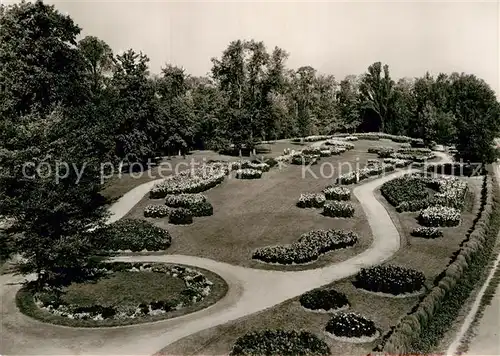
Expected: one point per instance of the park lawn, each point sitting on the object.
(124, 289)
(250, 214)
(427, 255)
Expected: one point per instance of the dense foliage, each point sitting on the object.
(180, 216)
(279, 343)
(307, 248)
(134, 235)
(156, 211)
(324, 299)
(338, 209)
(389, 279)
(350, 325)
(439, 216)
(404, 189)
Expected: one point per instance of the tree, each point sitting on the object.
(348, 104)
(98, 60)
(376, 94)
(303, 82)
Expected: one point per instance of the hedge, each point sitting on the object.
(423, 327)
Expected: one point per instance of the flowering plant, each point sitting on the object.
(337, 193)
(248, 173)
(338, 209)
(311, 200)
(350, 325)
(439, 216)
(389, 279)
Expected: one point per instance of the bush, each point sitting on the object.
(134, 235)
(196, 203)
(350, 325)
(338, 209)
(248, 173)
(337, 193)
(326, 299)
(156, 211)
(311, 200)
(439, 216)
(279, 343)
(307, 248)
(180, 216)
(389, 279)
(427, 232)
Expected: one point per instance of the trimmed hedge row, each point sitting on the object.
(422, 328)
(279, 342)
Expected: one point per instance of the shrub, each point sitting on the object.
(156, 211)
(279, 343)
(338, 209)
(326, 299)
(427, 232)
(248, 173)
(439, 216)
(337, 193)
(134, 235)
(389, 279)
(311, 200)
(307, 248)
(350, 325)
(196, 203)
(180, 216)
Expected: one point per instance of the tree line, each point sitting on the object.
(64, 99)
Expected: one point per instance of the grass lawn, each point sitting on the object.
(249, 214)
(122, 290)
(427, 255)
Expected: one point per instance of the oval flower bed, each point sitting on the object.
(351, 327)
(180, 216)
(427, 232)
(248, 173)
(303, 159)
(156, 211)
(324, 300)
(390, 279)
(279, 343)
(439, 216)
(311, 200)
(123, 294)
(337, 193)
(308, 248)
(338, 209)
(196, 203)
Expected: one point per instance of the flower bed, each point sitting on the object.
(337, 193)
(427, 232)
(312, 151)
(439, 215)
(398, 163)
(389, 279)
(307, 248)
(156, 211)
(340, 144)
(197, 288)
(316, 138)
(248, 173)
(191, 181)
(364, 173)
(311, 200)
(304, 159)
(279, 343)
(404, 189)
(180, 216)
(350, 325)
(196, 203)
(134, 235)
(338, 209)
(377, 149)
(325, 153)
(263, 167)
(351, 138)
(324, 300)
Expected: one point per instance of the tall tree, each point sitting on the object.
(348, 104)
(98, 60)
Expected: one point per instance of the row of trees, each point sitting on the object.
(64, 100)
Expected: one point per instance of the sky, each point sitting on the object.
(335, 37)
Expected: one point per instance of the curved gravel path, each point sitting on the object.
(251, 290)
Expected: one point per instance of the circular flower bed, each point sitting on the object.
(308, 248)
(134, 235)
(427, 232)
(156, 211)
(337, 193)
(118, 295)
(311, 200)
(279, 343)
(180, 216)
(439, 216)
(351, 326)
(338, 209)
(390, 279)
(326, 300)
(248, 173)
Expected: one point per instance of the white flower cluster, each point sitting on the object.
(351, 138)
(156, 211)
(439, 216)
(316, 138)
(311, 200)
(184, 200)
(337, 193)
(248, 173)
(338, 209)
(263, 167)
(350, 325)
(307, 248)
